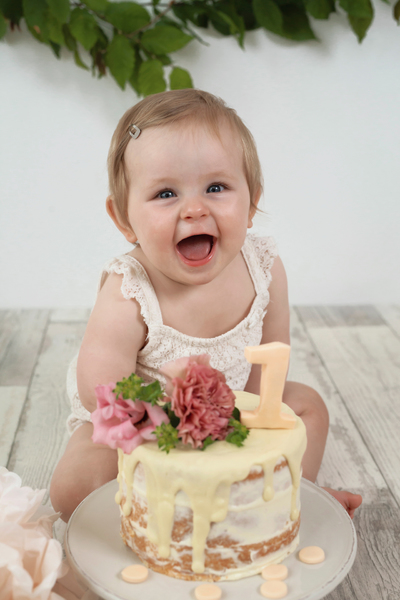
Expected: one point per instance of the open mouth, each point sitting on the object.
(196, 250)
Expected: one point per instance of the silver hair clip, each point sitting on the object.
(134, 131)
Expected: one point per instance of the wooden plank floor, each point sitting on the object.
(351, 355)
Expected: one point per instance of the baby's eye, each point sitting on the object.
(216, 187)
(166, 194)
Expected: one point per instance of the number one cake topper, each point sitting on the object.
(274, 361)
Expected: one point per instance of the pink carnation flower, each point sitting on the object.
(200, 397)
(123, 423)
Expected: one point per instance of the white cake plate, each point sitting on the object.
(97, 553)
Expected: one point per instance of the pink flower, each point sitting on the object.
(123, 423)
(200, 397)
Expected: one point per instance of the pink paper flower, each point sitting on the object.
(123, 423)
(30, 560)
(200, 397)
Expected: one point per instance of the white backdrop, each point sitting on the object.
(326, 118)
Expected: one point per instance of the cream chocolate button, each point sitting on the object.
(273, 589)
(135, 573)
(312, 555)
(208, 591)
(275, 572)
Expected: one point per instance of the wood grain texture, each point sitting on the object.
(375, 572)
(340, 316)
(364, 363)
(70, 315)
(350, 355)
(42, 434)
(391, 316)
(21, 334)
(348, 463)
(12, 400)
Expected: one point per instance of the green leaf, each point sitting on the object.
(96, 5)
(239, 433)
(296, 25)
(229, 21)
(127, 16)
(245, 9)
(167, 436)
(360, 26)
(234, 20)
(83, 27)
(60, 9)
(3, 26)
(132, 388)
(269, 15)
(120, 59)
(134, 79)
(190, 12)
(207, 442)
(180, 79)
(320, 9)
(219, 22)
(12, 10)
(70, 41)
(396, 11)
(98, 55)
(56, 48)
(236, 414)
(164, 39)
(151, 392)
(35, 13)
(164, 60)
(79, 62)
(361, 14)
(151, 78)
(129, 387)
(173, 419)
(361, 9)
(55, 30)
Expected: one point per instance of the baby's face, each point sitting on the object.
(188, 202)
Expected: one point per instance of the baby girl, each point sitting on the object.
(185, 183)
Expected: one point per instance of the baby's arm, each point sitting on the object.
(114, 335)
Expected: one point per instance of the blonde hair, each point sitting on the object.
(172, 107)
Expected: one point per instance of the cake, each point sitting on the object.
(216, 515)
(210, 505)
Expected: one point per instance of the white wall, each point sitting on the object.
(326, 120)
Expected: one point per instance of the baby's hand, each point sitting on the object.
(348, 500)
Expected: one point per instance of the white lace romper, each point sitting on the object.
(165, 343)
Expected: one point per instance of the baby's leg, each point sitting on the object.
(309, 406)
(84, 467)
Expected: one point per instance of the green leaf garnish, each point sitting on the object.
(167, 436)
(236, 414)
(173, 419)
(132, 388)
(207, 442)
(239, 433)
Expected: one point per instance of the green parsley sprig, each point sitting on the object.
(167, 436)
(132, 388)
(239, 433)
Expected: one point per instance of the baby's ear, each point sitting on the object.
(253, 208)
(124, 228)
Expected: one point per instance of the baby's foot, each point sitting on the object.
(348, 500)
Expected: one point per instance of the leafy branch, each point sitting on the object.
(134, 41)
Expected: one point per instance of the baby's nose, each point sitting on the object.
(194, 208)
